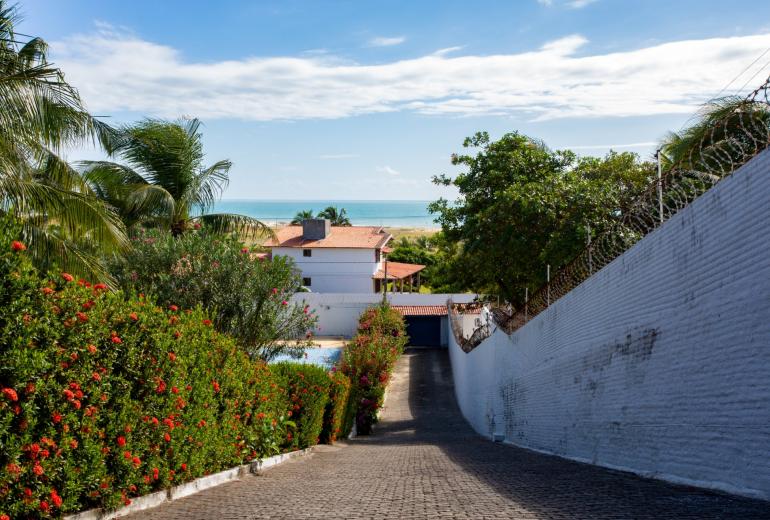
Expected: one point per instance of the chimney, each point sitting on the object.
(316, 228)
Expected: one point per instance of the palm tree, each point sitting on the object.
(163, 182)
(730, 131)
(300, 216)
(40, 113)
(338, 217)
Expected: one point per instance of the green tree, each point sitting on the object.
(302, 215)
(247, 297)
(163, 181)
(40, 113)
(338, 217)
(523, 206)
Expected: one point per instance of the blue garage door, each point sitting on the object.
(424, 331)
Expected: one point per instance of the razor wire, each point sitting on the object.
(726, 144)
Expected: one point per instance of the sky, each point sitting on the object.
(368, 100)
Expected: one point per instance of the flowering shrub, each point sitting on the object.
(308, 392)
(369, 358)
(339, 410)
(105, 397)
(249, 298)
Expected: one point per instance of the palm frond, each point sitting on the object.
(246, 227)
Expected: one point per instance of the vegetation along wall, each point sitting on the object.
(659, 364)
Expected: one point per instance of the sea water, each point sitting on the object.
(388, 213)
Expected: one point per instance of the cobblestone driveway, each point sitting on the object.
(424, 461)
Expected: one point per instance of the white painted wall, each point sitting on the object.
(659, 364)
(335, 270)
(338, 313)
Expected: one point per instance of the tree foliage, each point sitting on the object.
(522, 206)
(338, 217)
(247, 297)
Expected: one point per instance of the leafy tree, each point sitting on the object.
(40, 113)
(164, 182)
(523, 206)
(247, 297)
(302, 215)
(338, 217)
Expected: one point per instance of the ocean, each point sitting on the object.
(388, 213)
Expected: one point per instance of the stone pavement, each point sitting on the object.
(424, 461)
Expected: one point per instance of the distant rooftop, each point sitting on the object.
(356, 237)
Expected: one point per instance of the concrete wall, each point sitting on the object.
(659, 364)
(335, 270)
(338, 313)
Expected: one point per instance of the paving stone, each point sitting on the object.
(424, 461)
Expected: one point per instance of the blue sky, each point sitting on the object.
(365, 100)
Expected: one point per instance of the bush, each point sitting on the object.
(339, 410)
(369, 358)
(308, 393)
(104, 396)
(249, 298)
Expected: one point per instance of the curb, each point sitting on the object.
(255, 467)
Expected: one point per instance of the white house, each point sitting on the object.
(343, 259)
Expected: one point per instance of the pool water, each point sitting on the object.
(323, 356)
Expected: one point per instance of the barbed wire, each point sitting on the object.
(726, 144)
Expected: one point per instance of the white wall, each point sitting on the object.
(338, 313)
(335, 270)
(659, 363)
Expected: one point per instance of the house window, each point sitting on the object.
(307, 282)
(307, 252)
(377, 255)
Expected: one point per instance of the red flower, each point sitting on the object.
(82, 317)
(127, 455)
(92, 349)
(55, 498)
(167, 437)
(207, 323)
(171, 357)
(284, 302)
(47, 290)
(121, 441)
(27, 492)
(73, 444)
(96, 376)
(275, 290)
(184, 467)
(45, 454)
(100, 287)
(5, 517)
(10, 394)
(18, 246)
(201, 423)
(37, 469)
(76, 404)
(68, 277)
(174, 390)
(244, 250)
(155, 472)
(87, 305)
(116, 340)
(173, 308)
(137, 461)
(13, 469)
(133, 316)
(44, 506)
(161, 386)
(177, 334)
(215, 385)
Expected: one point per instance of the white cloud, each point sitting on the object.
(384, 41)
(119, 72)
(388, 170)
(335, 156)
(545, 2)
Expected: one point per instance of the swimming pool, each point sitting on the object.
(323, 356)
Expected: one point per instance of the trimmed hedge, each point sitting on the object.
(308, 393)
(369, 358)
(105, 397)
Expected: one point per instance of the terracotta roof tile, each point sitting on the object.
(399, 270)
(357, 237)
(421, 310)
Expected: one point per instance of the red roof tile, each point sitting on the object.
(357, 237)
(398, 270)
(421, 310)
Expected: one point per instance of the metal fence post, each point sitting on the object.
(660, 185)
(548, 285)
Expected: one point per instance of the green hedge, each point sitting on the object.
(369, 358)
(308, 392)
(339, 410)
(106, 397)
